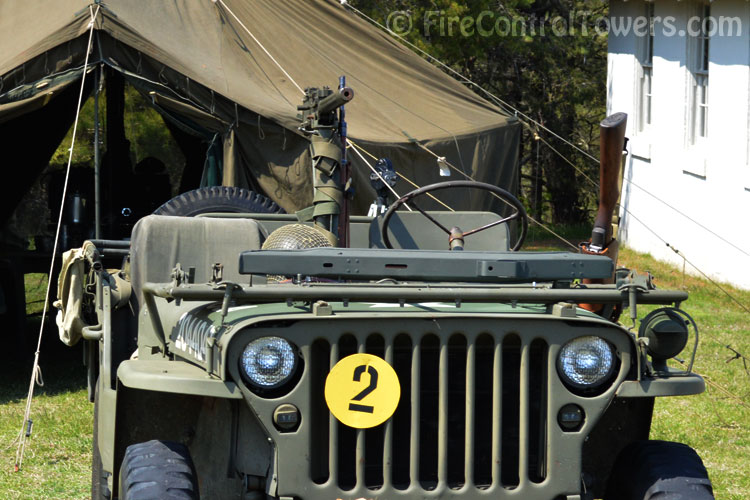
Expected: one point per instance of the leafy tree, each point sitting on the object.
(545, 57)
(145, 129)
(148, 136)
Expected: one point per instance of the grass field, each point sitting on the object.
(716, 423)
(58, 455)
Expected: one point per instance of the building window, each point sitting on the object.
(699, 66)
(644, 84)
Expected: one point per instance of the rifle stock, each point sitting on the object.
(612, 142)
(603, 242)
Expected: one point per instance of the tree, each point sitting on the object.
(144, 127)
(547, 58)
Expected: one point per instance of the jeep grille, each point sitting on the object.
(472, 414)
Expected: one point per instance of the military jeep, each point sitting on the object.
(244, 356)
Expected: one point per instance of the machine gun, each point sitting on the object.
(323, 121)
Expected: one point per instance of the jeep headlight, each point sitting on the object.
(586, 362)
(268, 362)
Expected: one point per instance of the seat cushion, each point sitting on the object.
(160, 242)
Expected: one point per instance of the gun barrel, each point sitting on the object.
(612, 142)
(334, 101)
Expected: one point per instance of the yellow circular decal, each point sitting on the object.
(362, 391)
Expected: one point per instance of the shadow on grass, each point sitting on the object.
(62, 366)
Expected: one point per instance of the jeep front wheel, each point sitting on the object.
(158, 469)
(647, 470)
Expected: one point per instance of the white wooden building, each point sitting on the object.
(686, 88)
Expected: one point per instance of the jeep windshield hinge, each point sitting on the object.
(180, 276)
(229, 287)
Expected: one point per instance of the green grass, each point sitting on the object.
(57, 460)
(36, 284)
(58, 455)
(716, 423)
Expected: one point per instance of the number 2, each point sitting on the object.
(358, 372)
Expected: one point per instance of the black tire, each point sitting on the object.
(218, 199)
(662, 470)
(99, 487)
(157, 470)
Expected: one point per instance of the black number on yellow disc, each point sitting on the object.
(362, 391)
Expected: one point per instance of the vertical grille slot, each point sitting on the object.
(374, 437)
(333, 426)
(346, 448)
(388, 431)
(456, 411)
(416, 413)
(497, 416)
(429, 376)
(319, 438)
(483, 432)
(510, 404)
(537, 457)
(470, 397)
(401, 421)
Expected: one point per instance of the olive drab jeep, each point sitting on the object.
(257, 356)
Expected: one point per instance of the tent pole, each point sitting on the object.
(97, 159)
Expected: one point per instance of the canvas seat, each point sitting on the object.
(160, 242)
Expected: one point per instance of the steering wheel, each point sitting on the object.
(455, 234)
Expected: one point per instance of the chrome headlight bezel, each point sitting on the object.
(259, 378)
(577, 353)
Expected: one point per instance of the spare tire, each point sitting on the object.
(218, 199)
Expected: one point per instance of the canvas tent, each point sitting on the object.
(207, 67)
